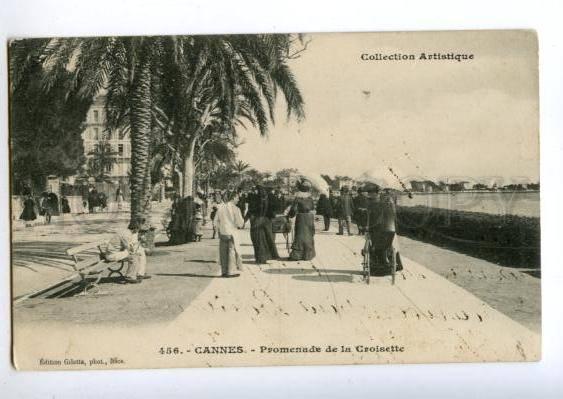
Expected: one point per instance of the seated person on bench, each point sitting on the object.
(125, 245)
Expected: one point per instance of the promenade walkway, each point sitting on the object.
(324, 302)
(283, 304)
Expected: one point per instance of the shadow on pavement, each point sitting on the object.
(289, 271)
(41, 253)
(329, 272)
(187, 275)
(200, 261)
(327, 278)
(99, 226)
(81, 287)
(159, 253)
(165, 244)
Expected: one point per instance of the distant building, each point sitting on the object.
(443, 187)
(480, 187)
(459, 186)
(95, 131)
(425, 186)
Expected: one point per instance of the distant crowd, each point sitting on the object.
(48, 205)
(269, 211)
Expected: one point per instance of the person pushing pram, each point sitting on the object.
(381, 233)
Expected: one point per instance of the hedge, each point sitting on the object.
(508, 240)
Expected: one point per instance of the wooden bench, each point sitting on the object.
(92, 265)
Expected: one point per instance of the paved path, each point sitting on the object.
(291, 305)
(325, 302)
(515, 292)
(38, 253)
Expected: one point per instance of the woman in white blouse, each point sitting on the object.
(227, 221)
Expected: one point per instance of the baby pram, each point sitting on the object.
(367, 254)
(282, 224)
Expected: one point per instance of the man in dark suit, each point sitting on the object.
(345, 211)
(361, 210)
(324, 208)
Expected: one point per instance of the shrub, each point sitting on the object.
(509, 240)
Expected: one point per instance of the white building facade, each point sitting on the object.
(95, 131)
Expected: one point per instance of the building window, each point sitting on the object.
(96, 116)
(120, 149)
(96, 133)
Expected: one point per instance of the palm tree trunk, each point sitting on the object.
(140, 114)
(148, 232)
(189, 168)
(147, 197)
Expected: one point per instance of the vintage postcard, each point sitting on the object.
(287, 199)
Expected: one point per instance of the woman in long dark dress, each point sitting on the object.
(303, 247)
(65, 205)
(28, 213)
(181, 225)
(259, 210)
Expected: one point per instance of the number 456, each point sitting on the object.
(169, 350)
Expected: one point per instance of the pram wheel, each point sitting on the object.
(366, 259)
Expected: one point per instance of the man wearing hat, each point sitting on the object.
(361, 210)
(345, 210)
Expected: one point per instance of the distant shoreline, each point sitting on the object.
(473, 192)
(521, 203)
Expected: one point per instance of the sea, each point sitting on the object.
(525, 203)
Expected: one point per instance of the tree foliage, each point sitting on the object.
(169, 91)
(45, 130)
(101, 161)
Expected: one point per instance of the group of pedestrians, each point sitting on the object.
(344, 206)
(375, 215)
(373, 212)
(260, 207)
(47, 205)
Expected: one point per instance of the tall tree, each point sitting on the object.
(42, 142)
(229, 79)
(179, 86)
(123, 66)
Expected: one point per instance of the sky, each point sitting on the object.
(426, 119)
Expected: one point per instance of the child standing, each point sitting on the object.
(198, 221)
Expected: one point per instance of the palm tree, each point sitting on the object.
(230, 79)
(239, 168)
(176, 86)
(101, 160)
(211, 154)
